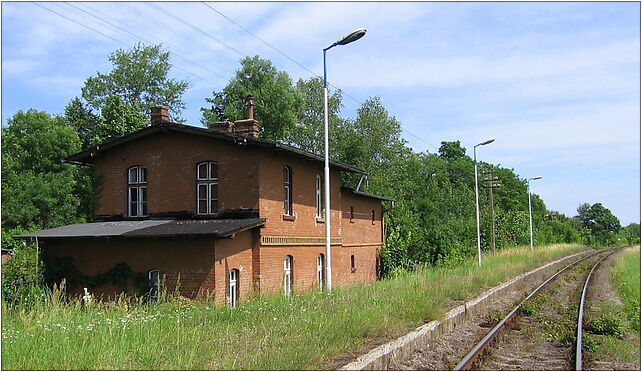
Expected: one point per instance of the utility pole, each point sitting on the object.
(490, 184)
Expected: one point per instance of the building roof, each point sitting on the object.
(149, 229)
(366, 194)
(86, 157)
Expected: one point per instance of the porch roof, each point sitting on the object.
(219, 228)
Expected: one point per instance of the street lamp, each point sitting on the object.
(353, 36)
(530, 209)
(490, 140)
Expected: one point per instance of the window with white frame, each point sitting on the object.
(287, 275)
(287, 191)
(207, 187)
(321, 271)
(137, 191)
(233, 294)
(319, 196)
(156, 278)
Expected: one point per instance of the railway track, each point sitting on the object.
(513, 345)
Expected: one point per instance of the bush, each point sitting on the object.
(22, 282)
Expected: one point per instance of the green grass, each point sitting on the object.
(626, 278)
(615, 332)
(305, 331)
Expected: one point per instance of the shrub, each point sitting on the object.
(22, 282)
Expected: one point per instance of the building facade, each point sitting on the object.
(217, 211)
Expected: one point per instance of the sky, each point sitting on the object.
(557, 84)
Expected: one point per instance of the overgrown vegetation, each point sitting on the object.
(615, 328)
(626, 277)
(305, 331)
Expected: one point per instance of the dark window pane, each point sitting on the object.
(133, 175)
(213, 191)
(213, 170)
(202, 206)
(202, 191)
(202, 171)
(143, 175)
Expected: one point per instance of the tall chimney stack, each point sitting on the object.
(249, 107)
(249, 127)
(159, 115)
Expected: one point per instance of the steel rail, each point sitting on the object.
(580, 317)
(470, 358)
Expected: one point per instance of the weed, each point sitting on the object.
(610, 323)
(589, 343)
(492, 319)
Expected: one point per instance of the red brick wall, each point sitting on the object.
(201, 263)
(303, 194)
(171, 161)
(361, 229)
(304, 266)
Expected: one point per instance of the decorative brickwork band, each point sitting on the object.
(298, 240)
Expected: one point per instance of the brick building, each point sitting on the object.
(217, 210)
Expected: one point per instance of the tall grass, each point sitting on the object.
(626, 277)
(304, 331)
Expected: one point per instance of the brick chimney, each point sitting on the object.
(248, 127)
(223, 126)
(159, 114)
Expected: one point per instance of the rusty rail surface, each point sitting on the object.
(472, 356)
(580, 317)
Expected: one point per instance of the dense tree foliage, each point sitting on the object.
(38, 190)
(602, 224)
(139, 78)
(114, 104)
(277, 102)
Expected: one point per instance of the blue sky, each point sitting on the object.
(557, 84)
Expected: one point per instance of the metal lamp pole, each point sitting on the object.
(479, 259)
(355, 35)
(530, 209)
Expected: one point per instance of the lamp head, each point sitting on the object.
(490, 140)
(353, 36)
(535, 178)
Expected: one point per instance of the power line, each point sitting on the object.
(199, 30)
(297, 63)
(136, 37)
(163, 25)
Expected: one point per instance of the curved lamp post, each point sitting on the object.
(490, 140)
(353, 36)
(530, 209)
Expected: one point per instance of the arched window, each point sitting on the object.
(156, 279)
(233, 294)
(287, 191)
(319, 196)
(137, 191)
(207, 187)
(321, 271)
(288, 278)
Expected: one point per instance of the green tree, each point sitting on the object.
(632, 233)
(38, 190)
(308, 133)
(140, 79)
(277, 102)
(599, 220)
(84, 121)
